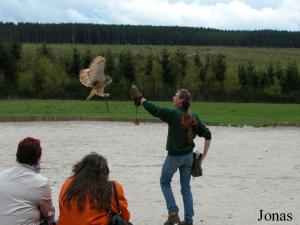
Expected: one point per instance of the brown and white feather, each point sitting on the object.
(94, 77)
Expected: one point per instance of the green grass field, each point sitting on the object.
(235, 114)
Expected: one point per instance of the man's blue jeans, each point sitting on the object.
(171, 164)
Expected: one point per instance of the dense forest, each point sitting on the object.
(146, 35)
(42, 70)
(48, 72)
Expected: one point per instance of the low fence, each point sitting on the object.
(72, 118)
(134, 120)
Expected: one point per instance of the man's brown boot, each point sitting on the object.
(173, 218)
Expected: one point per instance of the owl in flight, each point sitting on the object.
(94, 77)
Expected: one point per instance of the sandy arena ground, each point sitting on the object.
(247, 169)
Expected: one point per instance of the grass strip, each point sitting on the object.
(234, 114)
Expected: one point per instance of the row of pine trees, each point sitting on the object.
(147, 35)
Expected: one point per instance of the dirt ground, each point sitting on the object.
(247, 169)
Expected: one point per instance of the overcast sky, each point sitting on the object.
(221, 14)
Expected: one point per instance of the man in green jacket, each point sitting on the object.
(183, 127)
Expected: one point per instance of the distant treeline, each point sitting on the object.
(40, 71)
(146, 35)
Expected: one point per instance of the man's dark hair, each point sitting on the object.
(29, 151)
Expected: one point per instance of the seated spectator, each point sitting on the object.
(25, 195)
(85, 197)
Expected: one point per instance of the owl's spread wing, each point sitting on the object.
(97, 69)
(84, 77)
(94, 74)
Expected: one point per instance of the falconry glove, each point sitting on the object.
(136, 95)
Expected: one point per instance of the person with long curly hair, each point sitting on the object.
(183, 127)
(86, 197)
